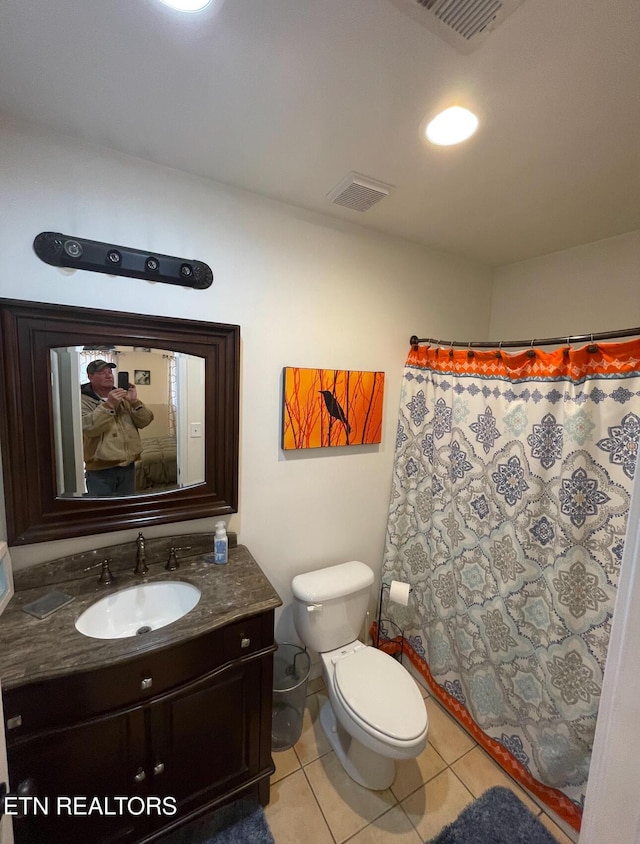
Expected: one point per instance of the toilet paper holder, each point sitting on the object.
(386, 587)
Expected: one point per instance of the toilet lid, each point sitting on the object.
(378, 690)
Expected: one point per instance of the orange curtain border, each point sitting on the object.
(551, 797)
(565, 363)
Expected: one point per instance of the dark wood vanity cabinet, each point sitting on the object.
(92, 758)
(190, 722)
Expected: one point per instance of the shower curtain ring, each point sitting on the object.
(470, 351)
(531, 353)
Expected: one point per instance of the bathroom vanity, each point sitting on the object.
(181, 712)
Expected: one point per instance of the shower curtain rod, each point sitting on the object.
(506, 344)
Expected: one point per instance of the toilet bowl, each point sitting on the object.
(380, 711)
(375, 713)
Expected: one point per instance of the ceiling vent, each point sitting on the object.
(358, 192)
(464, 24)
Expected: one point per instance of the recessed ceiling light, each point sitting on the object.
(187, 5)
(452, 126)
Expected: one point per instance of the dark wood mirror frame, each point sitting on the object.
(28, 330)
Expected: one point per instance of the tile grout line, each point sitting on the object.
(312, 790)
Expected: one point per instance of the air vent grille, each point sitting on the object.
(466, 17)
(464, 24)
(358, 192)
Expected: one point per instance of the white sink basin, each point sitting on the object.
(138, 609)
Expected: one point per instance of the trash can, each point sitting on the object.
(291, 664)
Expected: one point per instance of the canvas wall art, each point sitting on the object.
(331, 407)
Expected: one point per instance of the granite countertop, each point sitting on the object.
(38, 649)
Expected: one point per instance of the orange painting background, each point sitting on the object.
(306, 420)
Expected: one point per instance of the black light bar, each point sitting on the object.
(61, 250)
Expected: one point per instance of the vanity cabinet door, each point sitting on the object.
(98, 758)
(207, 737)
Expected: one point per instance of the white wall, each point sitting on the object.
(590, 289)
(306, 292)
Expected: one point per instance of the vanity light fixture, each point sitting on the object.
(451, 126)
(60, 250)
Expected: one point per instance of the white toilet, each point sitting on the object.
(375, 712)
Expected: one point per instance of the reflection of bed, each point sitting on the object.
(157, 467)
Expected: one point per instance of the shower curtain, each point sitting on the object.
(511, 488)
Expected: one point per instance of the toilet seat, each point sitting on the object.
(379, 692)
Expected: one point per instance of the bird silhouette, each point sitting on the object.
(334, 409)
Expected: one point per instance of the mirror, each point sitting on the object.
(185, 380)
(169, 451)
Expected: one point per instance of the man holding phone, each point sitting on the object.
(111, 418)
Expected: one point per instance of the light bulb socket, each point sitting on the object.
(72, 248)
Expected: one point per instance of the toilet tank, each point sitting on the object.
(330, 604)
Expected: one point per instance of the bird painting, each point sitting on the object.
(331, 407)
(334, 409)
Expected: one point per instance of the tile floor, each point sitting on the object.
(315, 802)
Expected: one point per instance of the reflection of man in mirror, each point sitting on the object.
(111, 417)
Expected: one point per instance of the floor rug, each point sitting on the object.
(498, 817)
(242, 822)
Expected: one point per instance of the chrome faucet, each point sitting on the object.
(105, 572)
(141, 561)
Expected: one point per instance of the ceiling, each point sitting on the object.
(285, 97)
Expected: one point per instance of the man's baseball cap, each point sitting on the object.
(97, 365)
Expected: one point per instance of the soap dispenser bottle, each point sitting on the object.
(220, 544)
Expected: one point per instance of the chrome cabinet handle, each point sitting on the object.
(146, 683)
(140, 776)
(245, 642)
(158, 768)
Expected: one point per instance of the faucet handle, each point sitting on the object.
(105, 574)
(172, 562)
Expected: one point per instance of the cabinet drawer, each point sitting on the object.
(244, 637)
(77, 697)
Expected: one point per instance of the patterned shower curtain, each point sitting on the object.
(511, 489)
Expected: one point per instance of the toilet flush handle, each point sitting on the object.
(314, 607)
